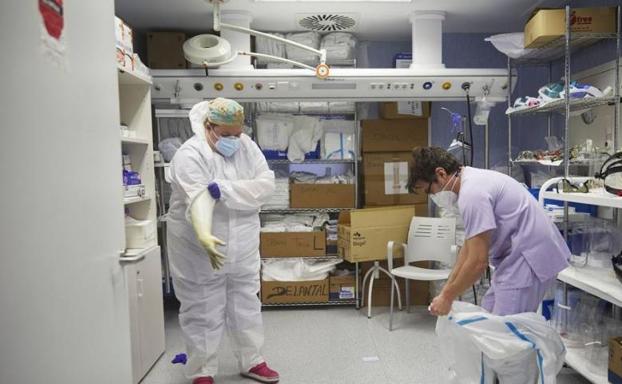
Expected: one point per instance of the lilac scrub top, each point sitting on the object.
(525, 244)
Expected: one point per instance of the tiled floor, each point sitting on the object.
(333, 346)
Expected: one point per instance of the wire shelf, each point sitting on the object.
(327, 303)
(298, 210)
(548, 163)
(315, 258)
(560, 106)
(314, 161)
(556, 48)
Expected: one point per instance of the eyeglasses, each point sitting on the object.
(427, 190)
(567, 187)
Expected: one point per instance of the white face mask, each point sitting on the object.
(446, 199)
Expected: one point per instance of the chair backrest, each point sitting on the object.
(431, 238)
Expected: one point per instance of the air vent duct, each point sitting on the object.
(328, 22)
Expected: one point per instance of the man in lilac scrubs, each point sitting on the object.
(504, 226)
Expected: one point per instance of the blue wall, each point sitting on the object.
(459, 51)
(471, 51)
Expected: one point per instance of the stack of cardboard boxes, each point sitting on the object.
(387, 146)
(165, 50)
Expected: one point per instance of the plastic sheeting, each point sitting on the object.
(280, 198)
(339, 46)
(510, 44)
(341, 107)
(269, 47)
(298, 269)
(307, 132)
(294, 222)
(168, 147)
(273, 131)
(310, 39)
(279, 106)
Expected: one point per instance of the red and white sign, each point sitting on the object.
(53, 17)
(52, 25)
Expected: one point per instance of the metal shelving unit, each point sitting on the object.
(596, 281)
(302, 210)
(556, 49)
(328, 303)
(315, 258)
(354, 163)
(560, 106)
(312, 161)
(562, 48)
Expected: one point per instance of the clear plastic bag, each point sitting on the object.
(510, 44)
(168, 147)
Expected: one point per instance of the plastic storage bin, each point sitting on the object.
(585, 208)
(139, 233)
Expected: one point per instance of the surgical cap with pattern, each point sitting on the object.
(223, 111)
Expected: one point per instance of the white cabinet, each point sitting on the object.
(143, 276)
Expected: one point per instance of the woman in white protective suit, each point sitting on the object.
(219, 172)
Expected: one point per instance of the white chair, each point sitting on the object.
(373, 274)
(429, 239)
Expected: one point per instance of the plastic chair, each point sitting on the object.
(429, 239)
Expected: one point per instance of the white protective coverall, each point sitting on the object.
(519, 349)
(211, 300)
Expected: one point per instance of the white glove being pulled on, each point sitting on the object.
(201, 212)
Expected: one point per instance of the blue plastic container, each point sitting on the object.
(282, 155)
(584, 208)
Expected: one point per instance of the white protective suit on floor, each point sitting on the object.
(211, 300)
(519, 349)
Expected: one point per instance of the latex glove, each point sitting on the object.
(440, 306)
(214, 190)
(201, 211)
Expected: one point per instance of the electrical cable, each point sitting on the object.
(468, 103)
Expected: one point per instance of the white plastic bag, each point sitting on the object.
(310, 39)
(296, 269)
(510, 44)
(273, 131)
(339, 46)
(313, 107)
(269, 47)
(278, 106)
(476, 342)
(168, 147)
(307, 133)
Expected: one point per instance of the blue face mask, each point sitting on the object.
(227, 146)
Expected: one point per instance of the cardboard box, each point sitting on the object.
(289, 244)
(321, 195)
(394, 135)
(385, 177)
(364, 233)
(381, 294)
(342, 288)
(615, 360)
(164, 50)
(420, 209)
(547, 25)
(404, 110)
(285, 292)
